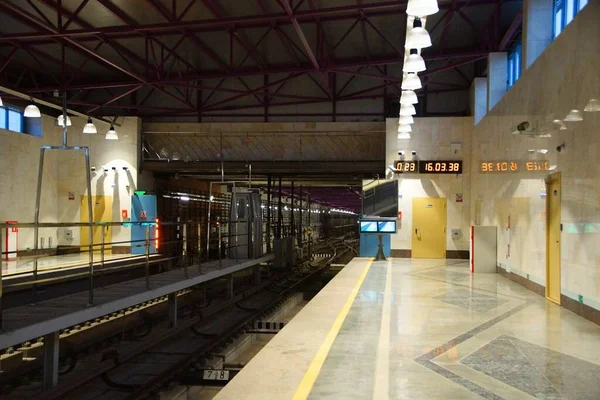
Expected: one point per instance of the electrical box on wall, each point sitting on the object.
(69, 234)
(455, 233)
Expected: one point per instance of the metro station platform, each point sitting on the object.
(48, 263)
(425, 329)
(20, 324)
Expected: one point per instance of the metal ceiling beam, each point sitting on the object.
(309, 53)
(511, 32)
(219, 12)
(161, 9)
(74, 15)
(25, 16)
(8, 59)
(281, 69)
(112, 100)
(382, 8)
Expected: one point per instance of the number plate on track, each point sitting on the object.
(216, 375)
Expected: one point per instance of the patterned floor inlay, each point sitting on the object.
(536, 370)
(471, 300)
(446, 275)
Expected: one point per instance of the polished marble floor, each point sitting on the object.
(426, 329)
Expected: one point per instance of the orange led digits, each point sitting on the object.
(513, 166)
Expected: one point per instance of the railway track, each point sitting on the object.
(133, 354)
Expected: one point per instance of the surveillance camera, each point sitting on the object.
(560, 147)
(414, 153)
(114, 168)
(105, 169)
(93, 169)
(125, 168)
(523, 126)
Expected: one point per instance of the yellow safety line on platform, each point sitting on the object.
(314, 369)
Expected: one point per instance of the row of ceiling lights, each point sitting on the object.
(576, 115)
(32, 111)
(417, 38)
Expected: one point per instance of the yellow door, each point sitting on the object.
(553, 228)
(429, 227)
(102, 212)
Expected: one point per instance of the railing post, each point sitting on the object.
(147, 244)
(219, 234)
(102, 246)
(91, 223)
(292, 222)
(36, 228)
(184, 249)
(199, 247)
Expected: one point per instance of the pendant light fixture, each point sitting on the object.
(61, 120)
(407, 109)
(32, 111)
(411, 82)
(112, 134)
(592, 106)
(90, 128)
(574, 116)
(417, 37)
(421, 8)
(408, 97)
(403, 135)
(406, 119)
(562, 125)
(414, 62)
(404, 128)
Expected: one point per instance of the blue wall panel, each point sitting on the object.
(139, 204)
(369, 245)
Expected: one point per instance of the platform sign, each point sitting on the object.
(378, 225)
(215, 375)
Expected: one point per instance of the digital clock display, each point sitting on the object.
(536, 166)
(513, 166)
(440, 167)
(428, 167)
(406, 166)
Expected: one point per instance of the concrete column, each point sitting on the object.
(537, 29)
(172, 310)
(497, 76)
(479, 99)
(51, 353)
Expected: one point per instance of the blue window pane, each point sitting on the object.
(15, 121)
(510, 72)
(570, 10)
(558, 22)
(582, 3)
(517, 65)
(3, 118)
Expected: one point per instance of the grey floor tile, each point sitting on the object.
(539, 371)
(471, 300)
